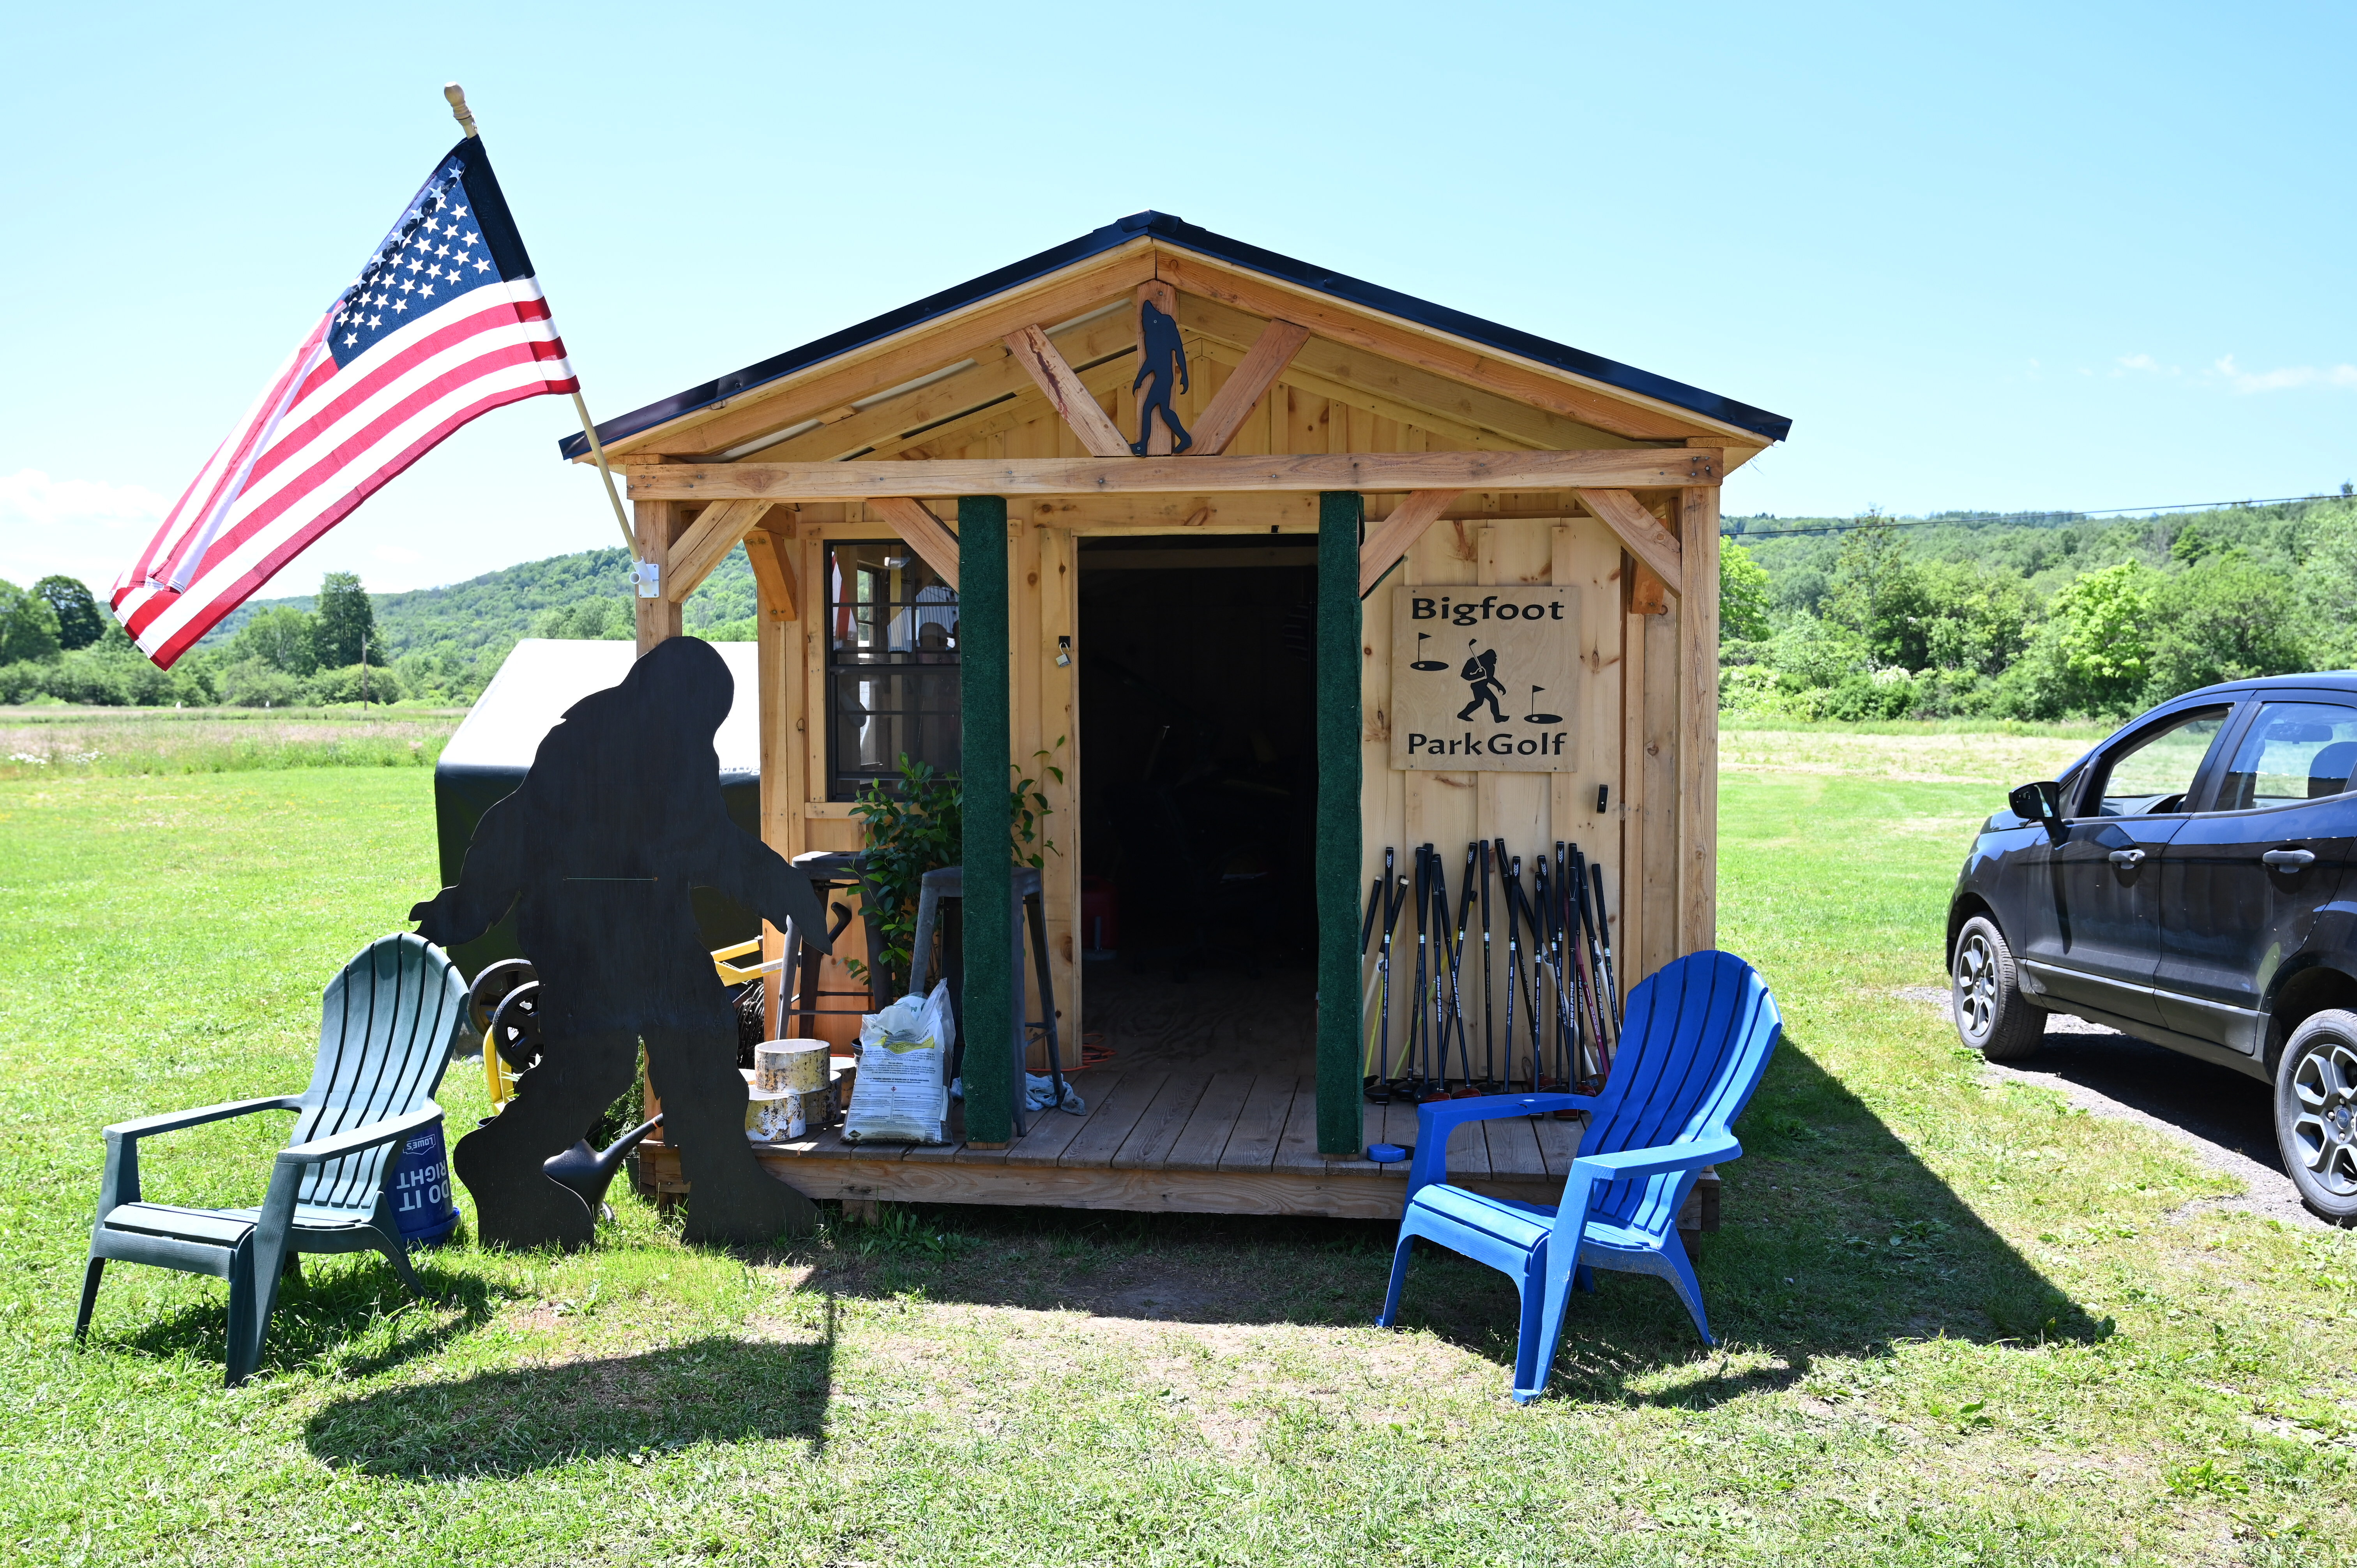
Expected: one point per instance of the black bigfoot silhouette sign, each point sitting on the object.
(1162, 359)
(620, 815)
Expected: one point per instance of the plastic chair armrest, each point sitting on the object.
(359, 1138)
(172, 1120)
(1629, 1163)
(1590, 1172)
(1437, 1119)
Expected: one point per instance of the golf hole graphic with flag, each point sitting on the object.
(1482, 679)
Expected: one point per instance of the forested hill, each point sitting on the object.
(2041, 618)
(490, 612)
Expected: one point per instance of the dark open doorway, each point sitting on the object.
(1198, 784)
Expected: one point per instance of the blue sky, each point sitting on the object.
(1996, 256)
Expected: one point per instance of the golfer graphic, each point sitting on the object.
(1480, 672)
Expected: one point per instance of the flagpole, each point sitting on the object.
(457, 95)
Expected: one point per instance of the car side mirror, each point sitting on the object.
(2041, 802)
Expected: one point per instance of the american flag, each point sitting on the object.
(445, 323)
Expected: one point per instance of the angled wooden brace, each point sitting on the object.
(1655, 548)
(772, 555)
(926, 534)
(1253, 375)
(707, 541)
(1070, 398)
(1389, 541)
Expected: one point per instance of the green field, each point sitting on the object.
(1961, 1323)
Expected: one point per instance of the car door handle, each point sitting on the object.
(2127, 859)
(2290, 859)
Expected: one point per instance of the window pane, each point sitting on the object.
(2156, 769)
(891, 688)
(2294, 751)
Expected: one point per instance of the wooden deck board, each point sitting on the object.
(1100, 1135)
(1052, 1132)
(1559, 1144)
(1260, 1126)
(1297, 1149)
(1205, 1137)
(1514, 1148)
(1148, 1145)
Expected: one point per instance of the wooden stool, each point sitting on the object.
(827, 870)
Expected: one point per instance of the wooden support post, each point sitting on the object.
(986, 854)
(777, 642)
(1339, 1123)
(658, 524)
(1698, 720)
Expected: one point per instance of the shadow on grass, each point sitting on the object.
(2214, 1104)
(337, 1301)
(1837, 1240)
(716, 1389)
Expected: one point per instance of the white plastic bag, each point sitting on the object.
(901, 1094)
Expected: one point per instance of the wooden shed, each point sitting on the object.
(1150, 507)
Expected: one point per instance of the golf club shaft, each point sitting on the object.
(1604, 934)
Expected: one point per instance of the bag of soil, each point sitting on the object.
(901, 1094)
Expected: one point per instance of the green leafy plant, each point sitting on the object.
(916, 824)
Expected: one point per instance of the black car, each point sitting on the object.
(2184, 883)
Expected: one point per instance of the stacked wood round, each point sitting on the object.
(790, 1093)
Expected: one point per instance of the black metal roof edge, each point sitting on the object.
(1178, 231)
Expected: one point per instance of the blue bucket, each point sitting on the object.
(420, 1189)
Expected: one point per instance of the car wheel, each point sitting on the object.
(1992, 1015)
(2316, 1112)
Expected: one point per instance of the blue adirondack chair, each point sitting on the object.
(1698, 1037)
(385, 1031)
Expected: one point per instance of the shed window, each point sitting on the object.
(891, 664)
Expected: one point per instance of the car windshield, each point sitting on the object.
(2293, 751)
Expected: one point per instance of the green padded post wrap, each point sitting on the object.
(983, 759)
(1338, 1085)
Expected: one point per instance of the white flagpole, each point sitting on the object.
(639, 575)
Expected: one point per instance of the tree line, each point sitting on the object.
(2062, 619)
(438, 646)
(56, 643)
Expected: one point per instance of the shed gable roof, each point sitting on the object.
(1176, 233)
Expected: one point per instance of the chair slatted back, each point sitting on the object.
(385, 1029)
(1698, 1034)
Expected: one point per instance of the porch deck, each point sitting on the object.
(1177, 1142)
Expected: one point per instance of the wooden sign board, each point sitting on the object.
(1482, 679)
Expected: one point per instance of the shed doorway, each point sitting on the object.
(1198, 790)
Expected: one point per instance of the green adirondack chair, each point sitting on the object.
(385, 1032)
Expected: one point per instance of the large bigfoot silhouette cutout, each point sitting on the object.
(619, 816)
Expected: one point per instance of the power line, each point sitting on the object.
(2014, 518)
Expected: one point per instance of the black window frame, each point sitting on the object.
(845, 783)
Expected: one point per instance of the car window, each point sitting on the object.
(2293, 751)
(2151, 771)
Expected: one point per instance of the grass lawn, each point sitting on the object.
(1961, 1323)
